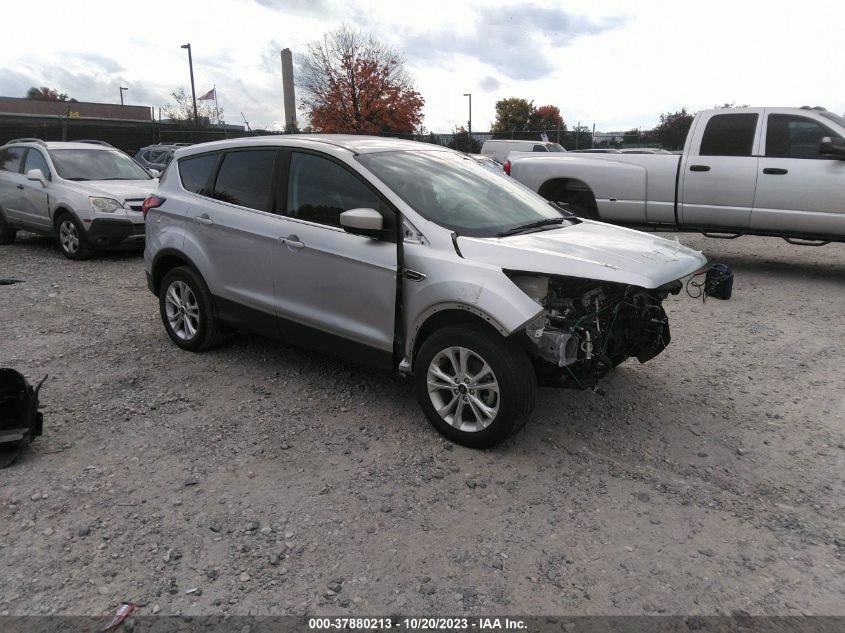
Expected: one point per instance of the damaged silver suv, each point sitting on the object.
(409, 256)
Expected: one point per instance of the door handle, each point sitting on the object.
(292, 241)
(699, 168)
(203, 219)
(20, 186)
(775, 171)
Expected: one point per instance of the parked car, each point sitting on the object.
(410, 256)
(500, 148)
(754, 171)
(158, 156)
(88, 196)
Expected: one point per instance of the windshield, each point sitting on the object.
(96, 164)
(457, 193)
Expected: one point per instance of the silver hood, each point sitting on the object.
(590, 250)
(120, 190)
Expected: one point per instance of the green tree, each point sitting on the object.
(672, 129)
(513, 113)
(583, 137)
(463, 142)
(46, 94)
(182, 111)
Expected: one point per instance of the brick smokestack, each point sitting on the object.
(287, 84)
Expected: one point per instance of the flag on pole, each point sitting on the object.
(208, 95)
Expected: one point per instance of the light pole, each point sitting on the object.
(121, 94)
(469, 123)
(193, 91)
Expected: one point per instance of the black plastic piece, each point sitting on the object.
(20, 420)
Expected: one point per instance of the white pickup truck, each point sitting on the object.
(757, 171)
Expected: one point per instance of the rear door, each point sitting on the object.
(328, 281)
(232, 231)
(719, 175)
(798, 189)
(11, 182)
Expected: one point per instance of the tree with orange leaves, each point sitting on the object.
(356, 84)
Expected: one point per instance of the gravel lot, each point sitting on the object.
(262, 479)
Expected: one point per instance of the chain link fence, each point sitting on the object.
(130, 136)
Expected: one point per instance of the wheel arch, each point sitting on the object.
(166, 260)
(438, 317)
(570, 191)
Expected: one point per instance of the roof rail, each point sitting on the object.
(92, 142)
(27, 140)
(819, 108)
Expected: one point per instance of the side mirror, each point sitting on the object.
(35, 174)
(155, 172)
(366, 222)
(832, 146)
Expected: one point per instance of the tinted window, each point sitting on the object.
(246, 178)
(790, 136)
(319, 190)
(36, 160)
(539, 148)
(10, 159)
(729, 135)
(196, 172)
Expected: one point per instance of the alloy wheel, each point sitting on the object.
(463, 389)
(69, 236)
(182, 309)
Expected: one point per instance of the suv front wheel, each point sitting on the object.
(187, 311)
(72, 238)
(474, 386)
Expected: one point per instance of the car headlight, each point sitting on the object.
(104, 205)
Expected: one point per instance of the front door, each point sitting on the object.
(329, 280)
(799, 190)
(35, 201)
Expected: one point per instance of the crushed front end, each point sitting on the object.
(588, 327)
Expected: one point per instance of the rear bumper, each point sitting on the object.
(115, 233)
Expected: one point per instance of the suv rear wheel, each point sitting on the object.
(187, 311)
(72, 238)
(474, 386)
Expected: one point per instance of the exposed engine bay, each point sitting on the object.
(590, 326)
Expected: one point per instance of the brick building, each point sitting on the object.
(75, 109)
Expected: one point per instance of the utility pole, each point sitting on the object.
(121, 94)
(193, 90)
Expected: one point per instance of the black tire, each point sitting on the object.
(72, 239)
(196, 334)
(7, 233)
(512, 371)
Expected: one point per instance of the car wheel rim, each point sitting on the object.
(463, 389)
(182, 309)
(69, 237)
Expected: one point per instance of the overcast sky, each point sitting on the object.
(617, 64)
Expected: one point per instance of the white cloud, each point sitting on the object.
(616, 64)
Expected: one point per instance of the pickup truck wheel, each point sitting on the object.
(72, 239)
(474, 386)
(7, 233)
(187, 311)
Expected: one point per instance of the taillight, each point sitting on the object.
(153, 202)
(507, 167)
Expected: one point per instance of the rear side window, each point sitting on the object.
(319, 190)
(729, 135)
(790, 136)
(246, 178)
(10, 159)
(196, 172)
(540, 148)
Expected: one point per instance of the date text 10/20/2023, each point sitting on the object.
(413, 624)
